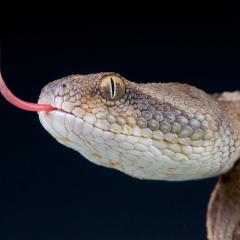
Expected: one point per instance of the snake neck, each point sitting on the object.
(223, 218)
(230, 102)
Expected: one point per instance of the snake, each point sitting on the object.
(152, 131)
(155, 131)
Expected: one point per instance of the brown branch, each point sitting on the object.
(223, 218)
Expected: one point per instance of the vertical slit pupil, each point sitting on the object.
(112, 88)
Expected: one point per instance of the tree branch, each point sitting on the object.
(223, 217)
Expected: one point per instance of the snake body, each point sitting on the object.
(158, 131)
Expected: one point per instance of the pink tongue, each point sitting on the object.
(10, 97)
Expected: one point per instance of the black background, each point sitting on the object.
(50, 192)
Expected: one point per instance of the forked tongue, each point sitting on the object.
(17, 102)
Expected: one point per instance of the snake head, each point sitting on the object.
(91, 110)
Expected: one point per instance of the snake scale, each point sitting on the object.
(155, 131)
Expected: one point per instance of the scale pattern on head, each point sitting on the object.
(153, 131)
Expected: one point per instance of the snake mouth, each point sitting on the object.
(63, 111)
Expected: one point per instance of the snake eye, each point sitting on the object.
(112, 87)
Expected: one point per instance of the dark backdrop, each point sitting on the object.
(50, 192)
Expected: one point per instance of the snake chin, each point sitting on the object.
(117, 151)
